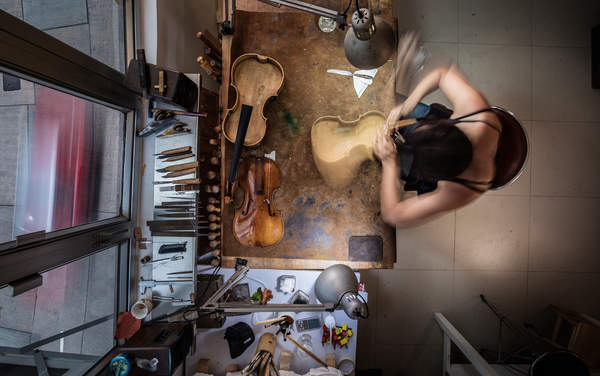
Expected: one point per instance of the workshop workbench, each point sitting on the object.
(318, 219)
(210, 343)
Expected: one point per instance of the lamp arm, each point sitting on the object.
(340, 18)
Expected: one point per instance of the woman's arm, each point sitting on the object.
(448, 196)
(464, 98)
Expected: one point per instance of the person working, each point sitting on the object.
(448, 161)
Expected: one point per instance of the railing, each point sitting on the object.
(453, 335)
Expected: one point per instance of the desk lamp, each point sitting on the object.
(369, 42)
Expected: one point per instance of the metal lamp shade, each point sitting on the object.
(338, 283)
(368, 49)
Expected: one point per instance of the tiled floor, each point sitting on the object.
(524, 247)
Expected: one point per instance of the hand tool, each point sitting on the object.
(180, 157)
(175, 174)
(181, 188)
(179, 181)
(181, 215)
(156, 126)
(182, 113)
(169, 203)
(184, 272)
(182, 197)
(172, 248)
(167, 156)
(175, 151)
(182, 207)
(179, 167)
(166, 259)
(144, 284)
(170, 299)
(177, 130)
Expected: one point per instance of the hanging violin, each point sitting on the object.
(257, 222)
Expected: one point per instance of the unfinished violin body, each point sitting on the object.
(257, 222)
(340, 147)
(256, 79)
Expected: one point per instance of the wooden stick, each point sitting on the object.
(210, 41)
(305, 350)
(270, 320)
(207, 67)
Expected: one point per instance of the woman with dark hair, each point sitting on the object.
(448, 161)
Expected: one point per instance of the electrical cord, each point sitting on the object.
(361, 298)
(358, 10)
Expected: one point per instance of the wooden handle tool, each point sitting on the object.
(187, 181)
(307, 351)
(179, 167)
(210, 41)
(180, 173)
(175, 151)
(179, 157)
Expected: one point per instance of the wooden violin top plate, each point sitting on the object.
(339, 147)
(256, 79)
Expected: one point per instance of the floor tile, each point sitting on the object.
(12, 7)
(365, 353)
(25, 95)
(418, 360)
(562, 89)
(563, 22)
(492, 234)
(77, 36)
(107, 33)
(564, 234)
(436, 20)
(476, 322)
(13, 120)
(416, 296)
(437, 55)
(575, 291)
(429, 246)
(501, 73)
(521, 186)
(6, 223)
(494, 22)
(49, 14)
(564, 157)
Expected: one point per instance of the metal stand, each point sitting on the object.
(504, 321)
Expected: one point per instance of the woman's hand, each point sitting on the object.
(383, 147)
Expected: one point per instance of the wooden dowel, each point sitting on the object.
(306, 350)
(210, 41)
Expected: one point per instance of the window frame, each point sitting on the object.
(31, 54)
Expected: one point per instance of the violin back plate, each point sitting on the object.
(256, 79)
(339, 147)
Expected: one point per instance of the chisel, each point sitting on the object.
(181, 188)
(176, 206)
(173, 155)
(179, 157)
(175, 174)
(173, 222)
(179, 181)
(175, 151)
(179, 167)
(170, 203)
(180, 215)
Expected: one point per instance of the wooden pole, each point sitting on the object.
(306, 350)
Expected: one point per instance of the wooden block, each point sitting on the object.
(232, 368)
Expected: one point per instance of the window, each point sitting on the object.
(62, 159)
(67, 174)
(71, 296)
